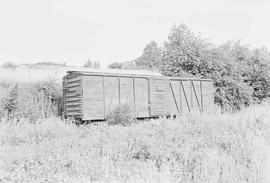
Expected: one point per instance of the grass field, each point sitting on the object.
(194, 148)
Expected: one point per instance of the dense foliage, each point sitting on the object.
(240, 74)
(151, 57)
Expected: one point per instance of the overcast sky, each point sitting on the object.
(72, 31)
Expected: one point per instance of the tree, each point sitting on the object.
(96, 65)
(258, 76)
(151, 57)
(240, 75)
(230, 66)
(88, 64)
(185, 52)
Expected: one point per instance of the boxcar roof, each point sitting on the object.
(117, 74)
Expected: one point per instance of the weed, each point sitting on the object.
(121, 115)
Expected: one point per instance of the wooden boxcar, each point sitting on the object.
(92, 95)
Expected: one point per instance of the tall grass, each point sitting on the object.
(192, 148)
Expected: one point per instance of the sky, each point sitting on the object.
(73, 31)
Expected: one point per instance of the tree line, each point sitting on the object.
(240, 74)
(92, 64)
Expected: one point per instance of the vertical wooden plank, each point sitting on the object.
(208, 95)
(202, 108)
(93, 98)
(180, 98)
(119, 90)
(141, 97)
(159, 97)
(111, 93)
(149, 99)
(126, 91)
(191, 98)
(104, 98)
(83, 102)
(134, 95)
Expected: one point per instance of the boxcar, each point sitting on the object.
(93, 95)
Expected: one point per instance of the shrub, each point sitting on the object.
(121, 115)
(11, 102)
(116, 65)
(32, 101)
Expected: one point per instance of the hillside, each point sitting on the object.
(41, 72)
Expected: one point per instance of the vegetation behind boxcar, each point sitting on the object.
(240, 73)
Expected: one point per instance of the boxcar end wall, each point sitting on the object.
(92, 96)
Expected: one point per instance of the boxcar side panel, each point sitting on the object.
(196, 95)
(93, 106)
(72, 96)
(186, 96)
(111, 94)
(164, 97)
(208, 96)
(127, 92)
(158, 92)
(175, 97)
(141, 97)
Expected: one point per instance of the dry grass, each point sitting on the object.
(195, 148)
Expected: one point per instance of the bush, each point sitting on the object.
(32, 101)
(116, 65)
(11, 102)
(121, 115)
